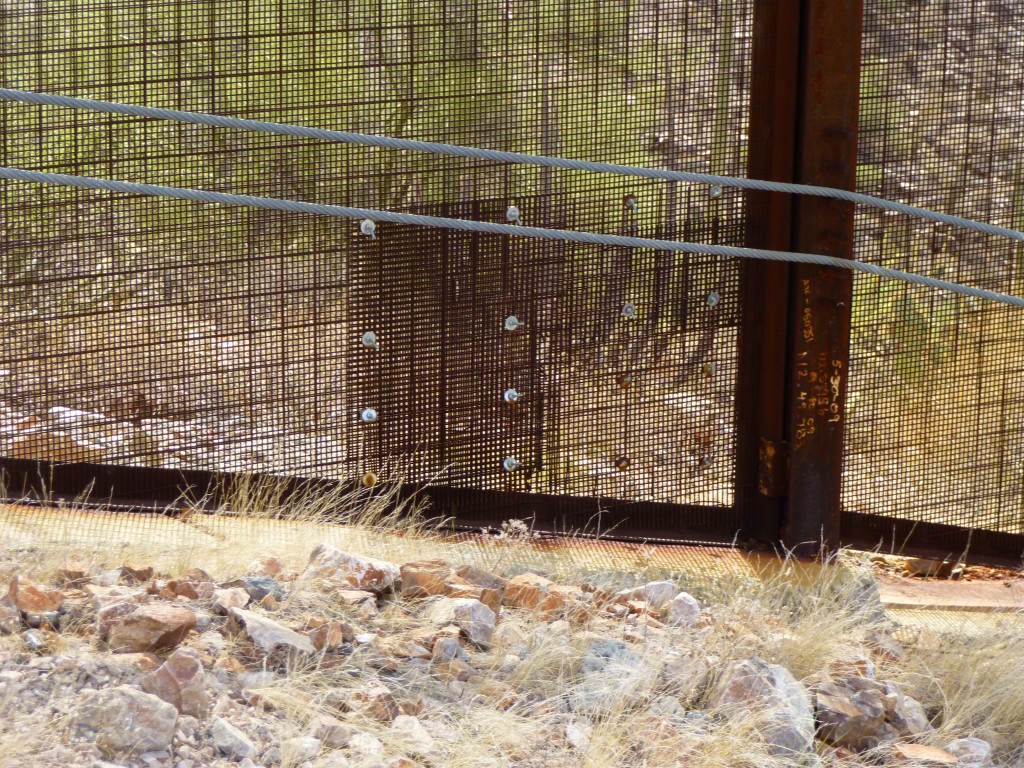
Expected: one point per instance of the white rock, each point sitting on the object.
(299, 749)
(971, 752)
(683, 610)
(578, 734)
(419, 741)
(226, 599)
(474, 618)
(654, 593)
(364, 744)
(230, 740)
(269, 637)
(328, 563)
(613, 677)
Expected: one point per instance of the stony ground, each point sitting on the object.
(348, 661)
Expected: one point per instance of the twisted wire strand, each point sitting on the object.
(499, 156)
(589, 238)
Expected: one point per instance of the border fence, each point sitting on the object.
(617, 383)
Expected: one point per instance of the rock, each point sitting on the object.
(299, 749)
(226, 599)
(683, 675)
(111, 614)
(417, 740)
(230, 740)
(847, 717)
(10, 616)
(31, 598)
(37, 642)
(855, 668)
(270, 638)
(612, 676)
(331, 731)
(136, 574)
(72, 574)
(578, 734)
(654, 594)
(257, 587)
(104, 595)
(480, 578)
(327, 563)
(123, 719)
(926, 568)
(447, 649)
(923, 755)
(365, 745)
(41, 444)
(424, 578)
(151, 628)
(532, 592)
(907, 715)
(375, 701)
(971, 752)
(786, 703)
(181, 682)
(683, 610)
(265, 566)
(331, 636)
(884, 647)
(474, 618)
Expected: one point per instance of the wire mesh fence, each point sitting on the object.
(936, 404)
(165, 334)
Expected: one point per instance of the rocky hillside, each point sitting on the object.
(349, 661)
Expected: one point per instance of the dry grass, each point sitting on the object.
(801, 616)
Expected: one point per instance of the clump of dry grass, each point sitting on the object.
(801, 616)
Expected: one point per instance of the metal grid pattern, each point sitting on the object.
(935, 429)
(167, 334)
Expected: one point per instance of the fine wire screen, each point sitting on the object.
(152, 332)
(935, 429)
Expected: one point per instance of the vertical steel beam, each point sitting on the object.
(763, 324)
(819, 320)
(794, 341)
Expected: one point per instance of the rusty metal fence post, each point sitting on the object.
(794, 346)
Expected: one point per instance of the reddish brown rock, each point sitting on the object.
(424, 578)
(181, 682)
(326, 563)
(492, 598)
(151, 628)
(72, 574)
(481, 578)
(376, 701)
(265, 566)
(531, 592)
(136, 574)
(31, 598)
(848, 717)
(331, 636)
